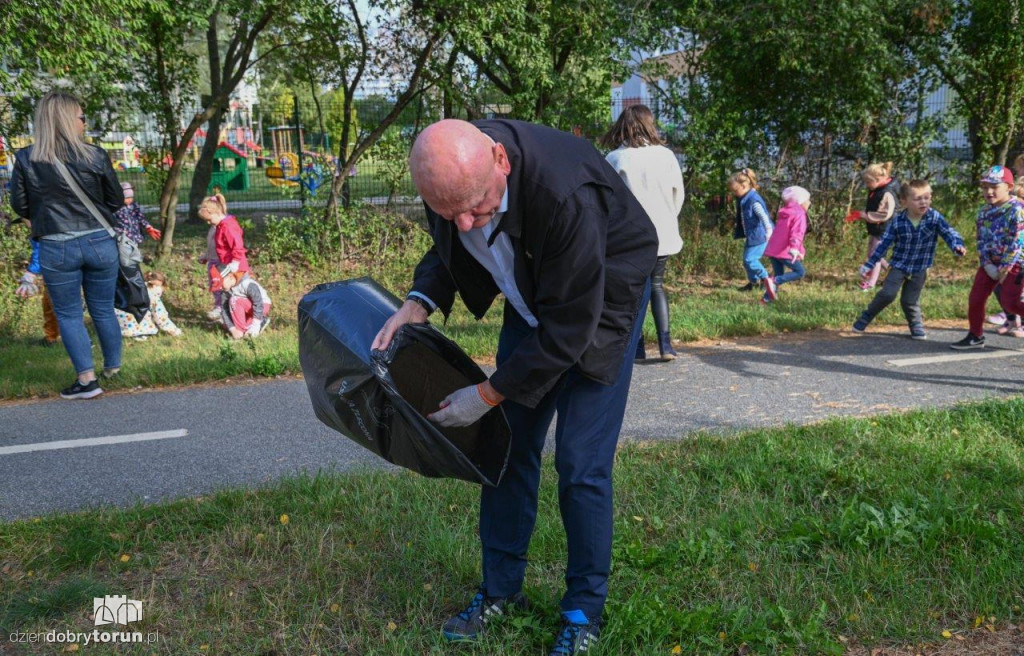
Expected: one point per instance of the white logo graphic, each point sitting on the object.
(113, 609)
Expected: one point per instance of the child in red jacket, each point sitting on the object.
(228, 245)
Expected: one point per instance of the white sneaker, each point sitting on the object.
(213, 314)
(997, 319)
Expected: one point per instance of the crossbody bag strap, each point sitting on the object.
(80, 193)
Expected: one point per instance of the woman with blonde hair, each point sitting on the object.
(652, 173)
(61, 184)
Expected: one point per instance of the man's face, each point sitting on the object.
(478, 210)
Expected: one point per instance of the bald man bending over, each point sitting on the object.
(539, 216)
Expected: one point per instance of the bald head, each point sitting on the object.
(454, 165)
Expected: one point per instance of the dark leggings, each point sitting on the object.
(998, 293)
(659, 299)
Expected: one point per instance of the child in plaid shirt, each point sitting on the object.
(913, 234)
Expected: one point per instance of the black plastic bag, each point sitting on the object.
(380, 399)
(131, 294)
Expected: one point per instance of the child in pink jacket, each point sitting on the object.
(786, 246)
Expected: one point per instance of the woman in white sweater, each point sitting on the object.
(652, 173)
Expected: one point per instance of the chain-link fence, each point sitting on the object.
(282, 154)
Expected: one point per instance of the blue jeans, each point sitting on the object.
(752, 262)
(85, 264)
(589, 419)
(780, 265)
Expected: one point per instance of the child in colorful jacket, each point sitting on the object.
(786, 246)
(752, 224)
(913, 233)
(130, 219)
(1000, 231)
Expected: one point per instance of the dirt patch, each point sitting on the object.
(1005, 640)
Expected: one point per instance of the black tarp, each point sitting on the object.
(380, 399)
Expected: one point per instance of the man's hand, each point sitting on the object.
(410, 312)
(27, 286)
(992, 271)
(960, 250)
(465, 406)
(154, 233)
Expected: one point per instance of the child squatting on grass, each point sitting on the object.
(786, 245)
(913, 234)
(246, 308)
(754, 225)
(156, 319)
(1000, 232)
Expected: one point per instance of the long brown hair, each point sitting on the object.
(634, 128)
(57, 129)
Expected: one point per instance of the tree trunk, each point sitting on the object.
(204, 167)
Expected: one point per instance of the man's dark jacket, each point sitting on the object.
(584, 248)
(39, 192)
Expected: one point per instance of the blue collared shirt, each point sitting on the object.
(914, 247)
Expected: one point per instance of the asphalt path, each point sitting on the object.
(193, 441)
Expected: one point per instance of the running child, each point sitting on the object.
(913, 234)
(754, 225)
(786, 246)
(883, 191)
(1000, 232)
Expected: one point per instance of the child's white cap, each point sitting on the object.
(797, 195)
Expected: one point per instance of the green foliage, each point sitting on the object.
(390, 156)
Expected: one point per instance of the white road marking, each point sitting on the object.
(92, 441)
(980, 354)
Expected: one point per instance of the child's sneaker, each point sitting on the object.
(859, 326)
(771, 290)
(918, 334)
(1017, 332)
(969, 342)
(997, 319)
(1008, 326)
(213, 314)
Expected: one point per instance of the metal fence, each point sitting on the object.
(281, 155)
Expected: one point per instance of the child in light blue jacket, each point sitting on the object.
(754, 224)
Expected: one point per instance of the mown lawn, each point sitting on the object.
(901, 529)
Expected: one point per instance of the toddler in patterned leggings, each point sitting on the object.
(156, 319)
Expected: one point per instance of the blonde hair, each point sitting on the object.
(877, 171)
(914, 185)
(216, 201)
(58, 136)
(744, 176)
(634, 128)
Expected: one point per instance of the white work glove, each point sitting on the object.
(795, 255)
(27, 286)
(864, 270)
(992, 271)
(461, 408)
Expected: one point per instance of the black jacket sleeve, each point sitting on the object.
(19, 191)
(431, 277)
(568, 300)
(113, 194)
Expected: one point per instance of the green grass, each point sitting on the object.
(701, 281)
(870, 531)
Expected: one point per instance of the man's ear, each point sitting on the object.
(501, 159)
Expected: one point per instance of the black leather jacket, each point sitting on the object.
(39, 193)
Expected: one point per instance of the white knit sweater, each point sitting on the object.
(652, 173)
